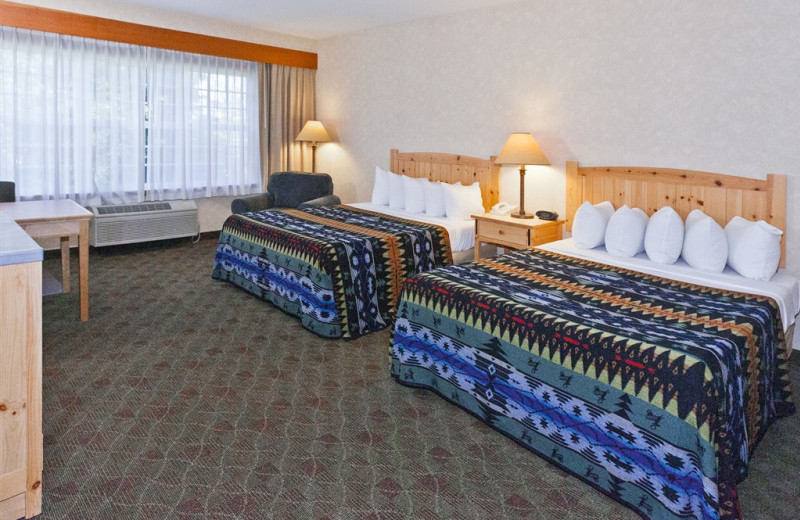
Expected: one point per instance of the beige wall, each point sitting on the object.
(700, 85)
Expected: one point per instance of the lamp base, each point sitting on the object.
(522, 215)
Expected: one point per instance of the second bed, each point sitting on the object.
(339, 269)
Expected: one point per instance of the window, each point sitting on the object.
(105, 122)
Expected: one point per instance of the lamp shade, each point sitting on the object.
(521, 148)
(313, 131)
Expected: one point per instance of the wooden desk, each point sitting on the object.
(515, 233)
(63, 219)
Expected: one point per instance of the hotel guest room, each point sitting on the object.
(390, 333)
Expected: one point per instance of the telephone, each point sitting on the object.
(547, 215)
(503, 208)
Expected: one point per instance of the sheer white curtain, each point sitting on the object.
(70, 117)
(203, 126)
(104, 122)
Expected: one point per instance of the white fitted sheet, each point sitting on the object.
(462, 232)
(783, 287)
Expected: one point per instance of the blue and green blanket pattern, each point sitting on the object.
(337, 268)
(653, 391)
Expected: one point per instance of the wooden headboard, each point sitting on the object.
(719, 196)
(451, 168)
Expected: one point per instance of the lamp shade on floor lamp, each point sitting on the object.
(313, 132)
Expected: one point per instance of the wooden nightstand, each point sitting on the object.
(514, 233)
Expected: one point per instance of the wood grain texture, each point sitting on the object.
(34, 446)
(13, 378)
(515, 233)
(21, 389)
(722, 197)
(451, 168)
(12, 508)
(62, 22)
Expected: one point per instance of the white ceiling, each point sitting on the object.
(316, 19)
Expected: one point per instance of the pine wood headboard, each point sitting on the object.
(451, 168)
(720, 196)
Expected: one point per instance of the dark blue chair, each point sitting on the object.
(290, 190)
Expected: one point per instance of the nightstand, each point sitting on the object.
(515, 233)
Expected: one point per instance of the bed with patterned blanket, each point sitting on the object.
(339, 269)
(653, 391)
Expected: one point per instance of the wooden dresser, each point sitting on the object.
(20, 373)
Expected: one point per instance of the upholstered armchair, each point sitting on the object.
(290, 190)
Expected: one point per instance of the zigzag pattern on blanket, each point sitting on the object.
(339, 269)
(653, 391)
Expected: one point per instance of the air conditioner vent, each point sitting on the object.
(134, 208)
(129, 223)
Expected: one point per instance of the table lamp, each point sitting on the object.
(313, 132)
(521, 148)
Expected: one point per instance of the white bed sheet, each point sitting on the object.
(462, 232)
(783, 287)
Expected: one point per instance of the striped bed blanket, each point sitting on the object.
(653, 391)
(339, 269)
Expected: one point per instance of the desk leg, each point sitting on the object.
(477, 250)
(83, 258)
(65, 264)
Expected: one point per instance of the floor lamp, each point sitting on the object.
(313, 132)
(521, 149)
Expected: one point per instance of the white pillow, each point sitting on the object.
(754, 248)
(414, 194)
(396, 198)
(380, 190)
(625, 232)
(460, 202)
(589, 225)
(663, 239)
(434, 199)
(704, 244)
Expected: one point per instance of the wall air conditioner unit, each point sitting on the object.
(129, 223)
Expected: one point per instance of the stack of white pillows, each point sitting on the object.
(752, 249)
(421, 196)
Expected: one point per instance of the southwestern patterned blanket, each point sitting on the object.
(653, 391)
(339, 269)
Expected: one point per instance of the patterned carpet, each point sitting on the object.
(186, 398)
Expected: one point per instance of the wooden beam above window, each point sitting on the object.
(62, 22)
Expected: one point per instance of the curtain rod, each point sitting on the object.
(73, 24)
